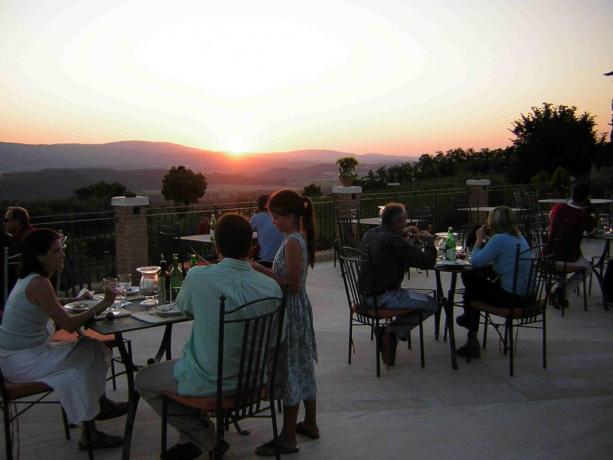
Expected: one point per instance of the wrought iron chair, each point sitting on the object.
(532, 314)
(351, 260)
(348, 231)
(254, 393)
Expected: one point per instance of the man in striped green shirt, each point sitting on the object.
(195, 373)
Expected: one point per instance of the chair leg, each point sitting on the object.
(164, 427)
(113, 379)
(377, 357)
(421, 340)
(485, 324)
(8, 441)
(88, 439)
(350, 338)
(544, 340)
(511, 347)
(275, 434)
(584, 294)
(65, 421)
(409, 344)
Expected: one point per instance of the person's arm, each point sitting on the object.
(41, 293)
(414, 256)
(483, 255)
(293, 261)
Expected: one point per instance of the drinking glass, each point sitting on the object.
(113, 283)
(125, 281)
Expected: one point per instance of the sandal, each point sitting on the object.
(101, 440)
(268, 449)
(301, 428)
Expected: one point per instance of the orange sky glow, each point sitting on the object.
(391, 76)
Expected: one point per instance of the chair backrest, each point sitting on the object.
(351, 261)
(540, 269)
(261, 322)
(349, 230)
(9, 272)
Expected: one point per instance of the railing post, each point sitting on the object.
(477, 196)
(346, 203)
(130, 232)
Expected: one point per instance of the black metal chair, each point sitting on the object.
(531, 314)
(349, 233)
(254, 392)
(13, 395)
(351, 260)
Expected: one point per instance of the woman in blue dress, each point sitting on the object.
(294, 216)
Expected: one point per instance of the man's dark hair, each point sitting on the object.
(581, 192)
(391, 212)
(262, 202)
(20, 214)
(233, 235)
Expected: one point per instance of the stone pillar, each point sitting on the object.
(131, 241)
(346, 200)
(477, 197)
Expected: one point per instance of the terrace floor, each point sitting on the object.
(477, 411)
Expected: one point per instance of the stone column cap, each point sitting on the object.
(130, 201)
(350, 190)
(479, 182)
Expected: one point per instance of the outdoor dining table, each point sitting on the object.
(599, 268)
(206, 238)
(595, 201)
(118, 327)
(454, 268)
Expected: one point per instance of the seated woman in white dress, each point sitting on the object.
(75, 370)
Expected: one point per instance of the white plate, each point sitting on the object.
(132, 290)
(172, 312)
(80, 306)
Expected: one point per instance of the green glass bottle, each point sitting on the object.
(176, 278)
(450, 245)
(193, 260)
(162, 292)
(212, 226)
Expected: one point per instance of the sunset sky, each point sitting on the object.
(396, 77)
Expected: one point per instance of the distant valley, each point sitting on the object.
(54, 171)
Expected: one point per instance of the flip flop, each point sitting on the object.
(301, 428)
(268, 449)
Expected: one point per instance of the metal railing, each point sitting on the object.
(91, 236)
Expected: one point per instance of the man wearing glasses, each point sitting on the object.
(17, 222)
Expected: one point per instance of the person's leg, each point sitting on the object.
(309, 424)
(577, 277)
(403, 299)
(189, 422)
(290, 418)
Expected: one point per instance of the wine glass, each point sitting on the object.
(113, 283)
(125, 281)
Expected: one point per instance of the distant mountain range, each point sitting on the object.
(129, 155)
(35, 171)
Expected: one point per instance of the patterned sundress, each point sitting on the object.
(296, 371)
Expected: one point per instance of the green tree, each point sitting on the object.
(100, 190)
(551, 137)
(560, 180)
(183, 186)
(312, 190)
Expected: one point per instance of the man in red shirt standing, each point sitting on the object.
(567, 223)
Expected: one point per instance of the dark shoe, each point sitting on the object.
(557, 299)
(101, 440)
(113, 410)
(462, 321)
(386, 338)
(185, 451)
(474, 349)
(301, 428)
(268, 449)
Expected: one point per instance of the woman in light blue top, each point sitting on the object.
(499, 252)
(75, 370)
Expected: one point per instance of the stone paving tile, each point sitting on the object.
(477, 411)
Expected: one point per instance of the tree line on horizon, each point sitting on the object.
(551, 138)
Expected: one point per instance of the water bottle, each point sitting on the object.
(212, 226)
(176, 278)
(450, 245)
